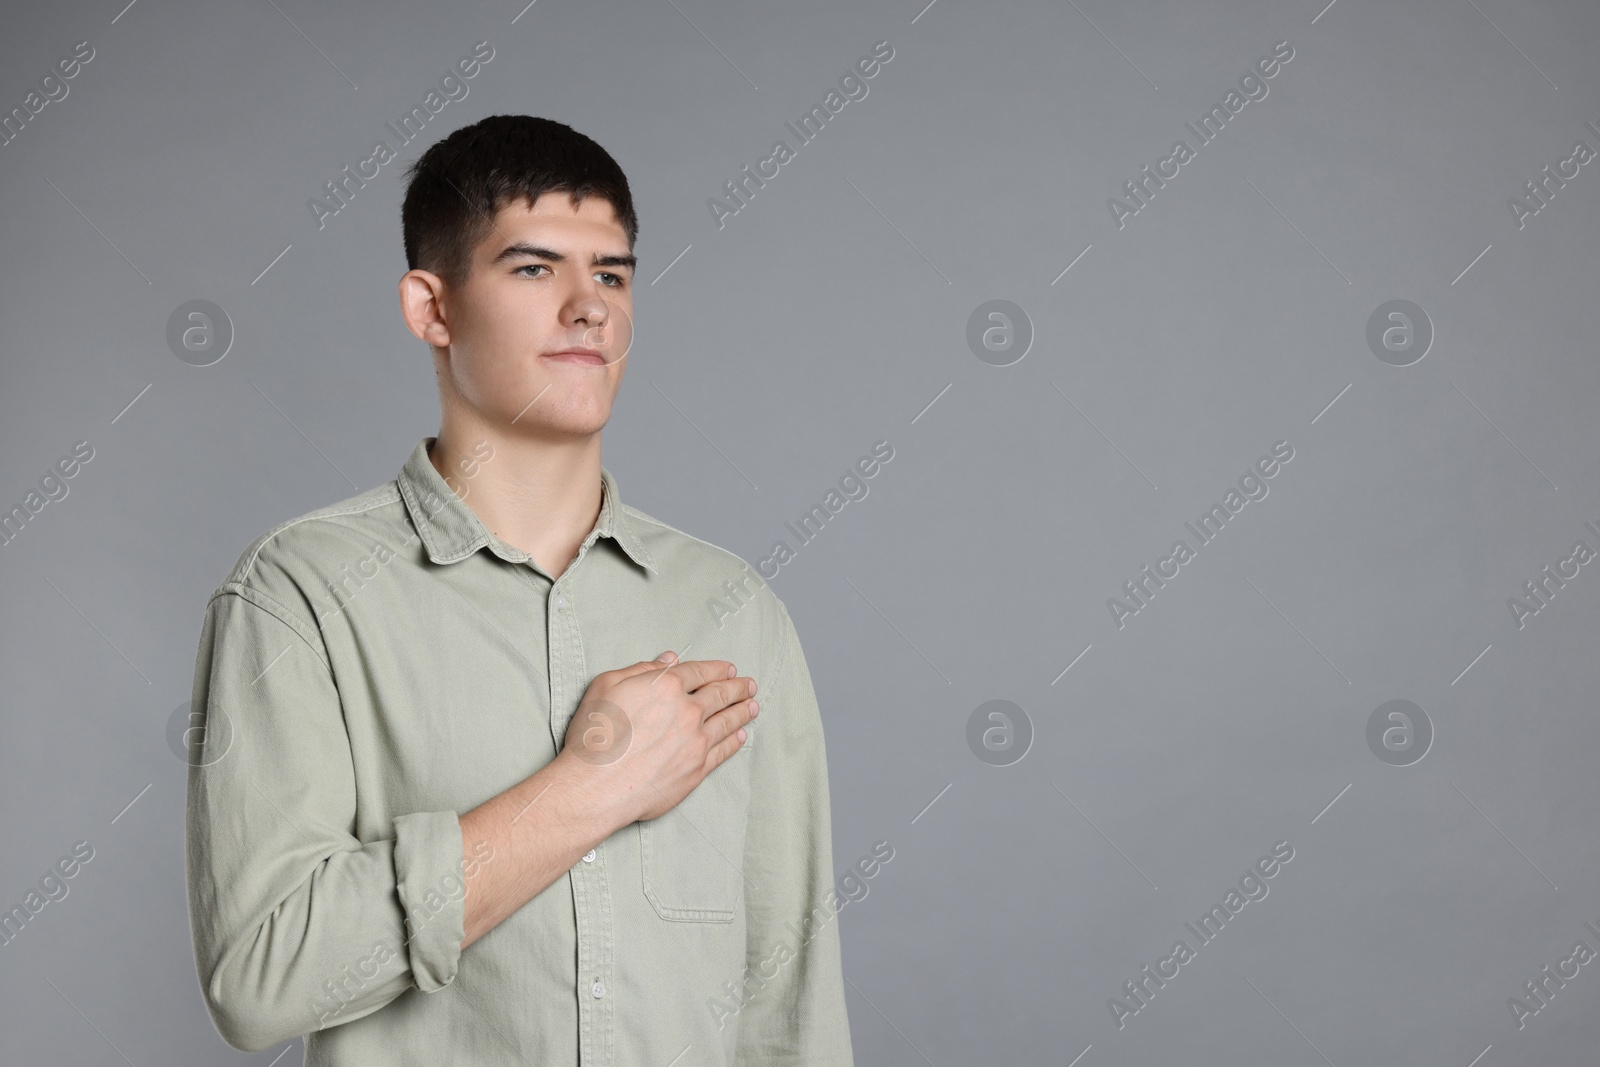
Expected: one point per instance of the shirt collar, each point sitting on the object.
(452, 531)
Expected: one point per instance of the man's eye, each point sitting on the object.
(530, 266)
(618, 282)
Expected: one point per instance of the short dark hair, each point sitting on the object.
(457, 186)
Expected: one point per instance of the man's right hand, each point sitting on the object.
(647, 734)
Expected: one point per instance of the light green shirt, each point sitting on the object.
(371, 670)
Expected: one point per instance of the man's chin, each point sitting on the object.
(567, 425)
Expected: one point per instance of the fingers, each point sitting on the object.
(695, 673)
(715, 696)
(666, 659)
(729, 725)
(728, 744)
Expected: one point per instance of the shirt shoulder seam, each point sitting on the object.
(785, 624)
(331, 512)
(652, 520)
(261, 601)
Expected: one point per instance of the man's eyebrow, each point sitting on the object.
(523, 250)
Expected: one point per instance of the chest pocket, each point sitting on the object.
(693, 856)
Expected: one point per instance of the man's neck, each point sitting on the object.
(542, 497)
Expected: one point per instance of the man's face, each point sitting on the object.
(556, 277)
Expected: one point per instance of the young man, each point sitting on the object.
(443, 805)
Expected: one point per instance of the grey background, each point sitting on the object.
(830, 313)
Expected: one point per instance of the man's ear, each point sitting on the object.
(424, 308)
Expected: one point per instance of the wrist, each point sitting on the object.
(589, 794)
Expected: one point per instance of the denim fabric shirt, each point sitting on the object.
(371, 670)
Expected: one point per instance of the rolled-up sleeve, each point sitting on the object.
(798, 1015)
(297, 924)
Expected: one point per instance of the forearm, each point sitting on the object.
(533, 833)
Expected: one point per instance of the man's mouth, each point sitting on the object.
(590, 356)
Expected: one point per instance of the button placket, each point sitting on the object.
(591, 893)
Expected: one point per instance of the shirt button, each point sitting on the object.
(590, 857)
(599, 988)
(561, 601)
